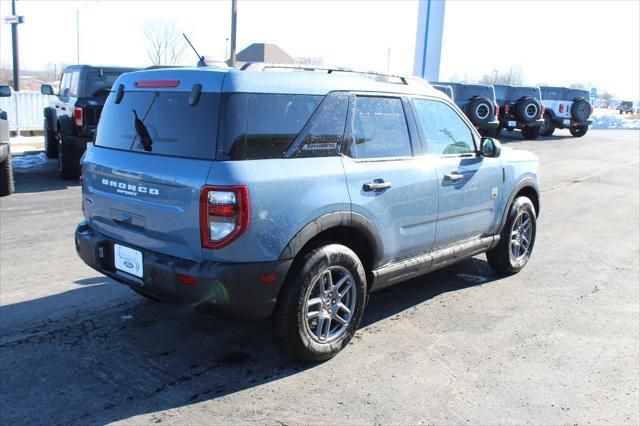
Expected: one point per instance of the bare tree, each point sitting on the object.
(165, 45)
(578, 86)
(514, 77)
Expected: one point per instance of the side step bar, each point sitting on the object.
(405, 269)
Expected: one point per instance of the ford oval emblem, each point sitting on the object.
(128, 264)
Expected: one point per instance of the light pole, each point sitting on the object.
(234, 12)
(78, 31)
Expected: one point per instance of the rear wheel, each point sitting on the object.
(68, 160)
(548, 128)
(516, 239)
(6, 177)
(321, 304)
(578, 131)
(531, 133)
(50, 141)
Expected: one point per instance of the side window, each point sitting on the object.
(73, 85)
(444, 129)
(379, 128)
(64, 85)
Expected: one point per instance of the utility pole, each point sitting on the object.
(234, 12)
(388, 60)
(77, 36)
(14, 45)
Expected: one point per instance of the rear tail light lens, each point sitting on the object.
(561, 108)
(78, 116)
(224, 214)
(497, 110)
(544, 109)
(156, 83)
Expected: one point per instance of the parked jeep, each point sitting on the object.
(520, 108)
(6, 171)
(625, 107)
(293, 195)
(566, 108)
(478, 101)
(71, 118)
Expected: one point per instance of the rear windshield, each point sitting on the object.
(98, 84)
(577, 93)
(468, 91)
(563, 94)
(511, 93)
(176, 128)
(261, 126)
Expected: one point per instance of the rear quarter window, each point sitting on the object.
(261, 126)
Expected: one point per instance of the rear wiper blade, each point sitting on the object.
(142, 132)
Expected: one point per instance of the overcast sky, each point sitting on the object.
(554, 42)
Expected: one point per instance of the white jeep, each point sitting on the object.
(566, 108)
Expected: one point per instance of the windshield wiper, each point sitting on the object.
(142, 132)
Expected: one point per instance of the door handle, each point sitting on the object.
(376, 185)
(454, 176)
(57, 106)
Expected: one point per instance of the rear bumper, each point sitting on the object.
(560, 122)
(230, 290)
(504, 123)
(488, 125)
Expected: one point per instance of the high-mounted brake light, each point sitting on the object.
(156, 83)
(224, 214)
(78, 116)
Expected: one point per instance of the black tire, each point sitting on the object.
(581, 109)
(548, 128)
(6, 177)
(578, 131)
(480, 110)
(501, 258)
(68, 160)
(51, 143)
(289, 319)
(528, 109)
(531, 132)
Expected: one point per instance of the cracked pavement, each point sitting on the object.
(557, 343)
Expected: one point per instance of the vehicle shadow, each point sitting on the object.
(113, 361)
(516, 137)
(36, 173)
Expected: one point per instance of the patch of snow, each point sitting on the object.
(611, 121)
(29, 161)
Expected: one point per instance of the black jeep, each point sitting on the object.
(626, 107)
(6, 173)
(71, 118)
(478, 101)
(520, 108)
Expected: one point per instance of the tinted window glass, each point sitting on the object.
(322, 136)
(468, 91)
(444, 89)
(98, 84)
(577, 93)
(552, 93)
(379, 129)
(64, 84)
(518, 92)
(445, 131)
(176, 128)
(261, 126)
(73, 86)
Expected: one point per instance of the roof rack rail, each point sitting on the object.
(262, 66)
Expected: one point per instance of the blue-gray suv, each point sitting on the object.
(293, 195)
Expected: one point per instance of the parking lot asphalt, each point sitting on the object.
(557, 343)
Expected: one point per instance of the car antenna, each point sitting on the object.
(201, 62)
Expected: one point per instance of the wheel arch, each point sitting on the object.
(50, 117)
(350, 229)
(528, 187)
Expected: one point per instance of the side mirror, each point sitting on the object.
(490, 147)
(5, 91)
(46, 89)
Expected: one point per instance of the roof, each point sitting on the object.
(284, 82)
(442, 83)
(104, 67)
(264, 52)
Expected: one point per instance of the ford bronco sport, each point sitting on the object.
(566, 108)
(520, 108)
(478, 101)
(293, 195)
(70, 119)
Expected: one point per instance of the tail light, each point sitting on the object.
(78, 116)
(544, 109)
(561, 108)
(224, 214)
(497, 110)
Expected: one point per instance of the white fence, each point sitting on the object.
(25, 110)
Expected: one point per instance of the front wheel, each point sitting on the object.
(321, 304)
(6, 177)
(516, 239)
(51, 143)
(548, 128)
(578, 131)
(530, 133)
